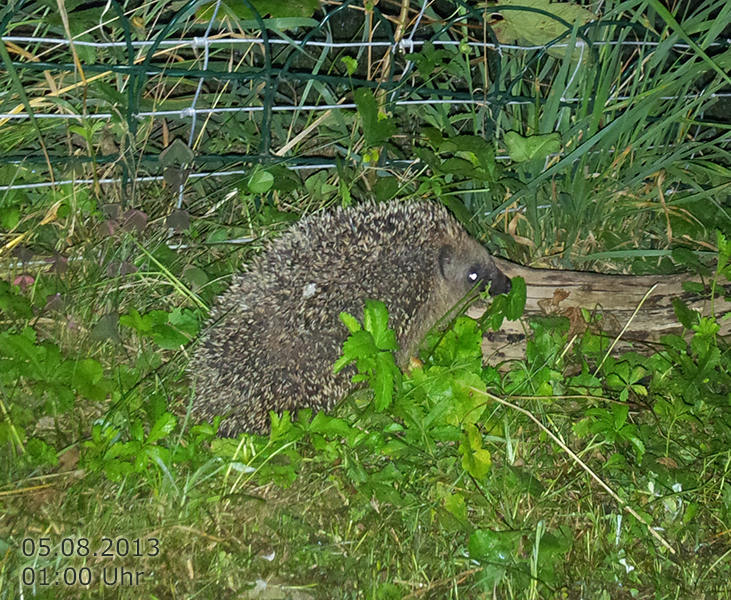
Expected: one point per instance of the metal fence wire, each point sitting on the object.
(94, 96)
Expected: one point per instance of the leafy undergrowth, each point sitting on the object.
(571, 474)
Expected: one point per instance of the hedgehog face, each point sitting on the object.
(480, 274)
(470, 268)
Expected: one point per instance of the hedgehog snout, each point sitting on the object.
(500, 283)
(486, 274)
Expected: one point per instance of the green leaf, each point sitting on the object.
(341, 363)
(40, 452)
(690, 512)
(455, 504)
(466, 406)
(638, 445)
(14, 305)
(261, 182)
(386, 373)
(475, 459)
(386, 188)
(351, 65)
(558, 543)
(136, 321)
(620, 413)
(516, 299)
(478, 146)
(371, 349)
(582, 428)
(724, 252)
(433, 136)
(523, 149)
(60, 400)
(494, 547)
(168, 338)
(706, 327)
(377, 129)
(9, 217)
(184, 320)
(360, 344)
(685, 257)
(694, 287)
(536, 28)
(106, 329)
(87, 379)
(350, 322)
(162, 427)
(177, 154)
(375, 321)
(330, 426)
(675, 342)
(687, 317)
(461, 344)
(136, 431)
(155, 405)
(196, 276)
(458, 166)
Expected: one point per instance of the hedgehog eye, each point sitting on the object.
(472, 276)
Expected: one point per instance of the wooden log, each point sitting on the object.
(611, 301)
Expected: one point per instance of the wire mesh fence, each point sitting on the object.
(93, 97)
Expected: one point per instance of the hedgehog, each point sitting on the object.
(275, 334)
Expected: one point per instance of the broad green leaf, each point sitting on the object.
(455, 504)
(261, 182)
(176, 154)
(535, 28)
(330, 426)
(493, 546)
(523, 149)
(185, 320)
(475, 459)
(168, 337)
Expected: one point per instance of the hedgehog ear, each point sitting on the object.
(446, 257)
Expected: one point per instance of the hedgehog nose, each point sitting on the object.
(500, 284)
